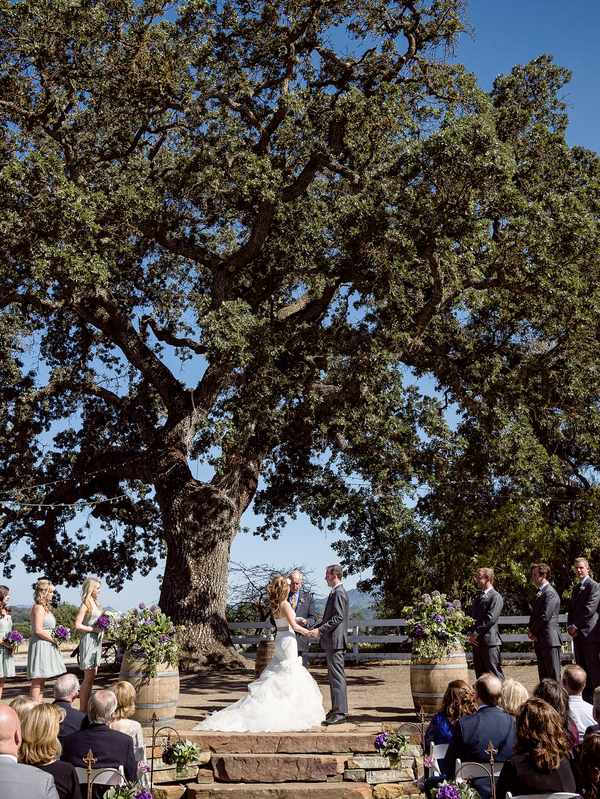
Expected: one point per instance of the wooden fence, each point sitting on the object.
(264, 631)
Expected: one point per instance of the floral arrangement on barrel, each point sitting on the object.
(436, 626)
(127, 792)
(181, 755)
(392, 745)
(457, 789)
(146, 634)
(14, 640)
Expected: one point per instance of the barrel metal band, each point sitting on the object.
(141, 674)
(154, 705)
(423, 695)
(436, 667)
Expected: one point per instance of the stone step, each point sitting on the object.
(278, 768)
(281, 790)
(286, 743)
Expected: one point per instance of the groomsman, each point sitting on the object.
(333, 632)
(303, 606)
(485, 636)
(543, 624)
(583, 626)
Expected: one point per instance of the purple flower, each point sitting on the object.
(14, 638)
(456, 603)
(147, 623)
(142, 605)
(62, 633)
(447, 792)
(419, 629)
(440, 619)
(448, 605)
(143, 795)
(155, 609)
(443, 634)
(164, 639)
(143, 767)
(103, 622)
(380, 740)
(426, 599)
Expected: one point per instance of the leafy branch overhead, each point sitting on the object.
(239, 234)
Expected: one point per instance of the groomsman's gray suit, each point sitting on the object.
(334, 640)
(543, 623)
(18, 781)
(486, 655)
(583, 614)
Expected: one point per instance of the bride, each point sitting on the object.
(285, 697)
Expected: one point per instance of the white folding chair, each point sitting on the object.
(100, 776)
(478, 771)
(438, 753)
(558, 795)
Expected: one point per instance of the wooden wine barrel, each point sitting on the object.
(264, 652)
(157, 694)
(429, 678)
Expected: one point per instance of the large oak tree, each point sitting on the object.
(233, 232)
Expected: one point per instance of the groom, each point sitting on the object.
(333, 632)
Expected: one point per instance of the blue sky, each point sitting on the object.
(507, 33)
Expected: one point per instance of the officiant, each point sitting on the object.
(303, 605)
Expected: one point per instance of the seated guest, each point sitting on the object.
(472, 735)
(557, 697)
(17, 780)
(574, 680)
(588, 781)
(66, 690)
(41, 748)
(513, 695)
(125, 693)
(110, 747)
(22, 704)
(541, 760)
(458, 702)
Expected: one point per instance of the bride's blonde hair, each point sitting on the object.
(278, 590)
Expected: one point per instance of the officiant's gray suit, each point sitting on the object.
(334, 640)
(18, 781)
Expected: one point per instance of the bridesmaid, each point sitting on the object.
(90, 645)
(44, 659)
(7, 661)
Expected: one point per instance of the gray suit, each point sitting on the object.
(25, 782)
(583, 614)
(486, 655)
(334, 640)
(543, 623)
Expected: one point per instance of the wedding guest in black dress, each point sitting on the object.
(40, 747)
(541, 760)
(588, 781)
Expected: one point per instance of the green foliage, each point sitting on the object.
(181, 753)
(65, 615)
(24, 629)
(226, 239)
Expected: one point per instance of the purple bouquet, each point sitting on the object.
(14, 639)
(103, 622)
(61, 635)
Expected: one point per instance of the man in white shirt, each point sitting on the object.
(17, 780)
(574, 679)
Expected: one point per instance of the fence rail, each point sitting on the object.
(264, 628)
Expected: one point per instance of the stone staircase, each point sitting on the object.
(318, 764)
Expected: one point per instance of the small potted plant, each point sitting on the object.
(181, 755)
(454, 789)
(392, 745)
(127, 792)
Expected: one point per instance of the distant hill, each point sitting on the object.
(359, 603)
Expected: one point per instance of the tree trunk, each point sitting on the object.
(200, 521)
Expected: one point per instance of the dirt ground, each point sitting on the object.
(377, 691)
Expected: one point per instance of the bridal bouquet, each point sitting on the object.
(436, 626)
(147, 634)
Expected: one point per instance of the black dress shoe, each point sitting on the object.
(329, 714)
(336, 718)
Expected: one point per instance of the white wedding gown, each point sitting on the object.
(283, 699)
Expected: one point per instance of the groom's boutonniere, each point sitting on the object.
(582, 586)
(332, 592)
(301, 601)
(539, 593)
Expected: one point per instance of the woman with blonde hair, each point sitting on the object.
(44, 659)
(41, 748)
(22, 704)
(7, 661)
(122, 721)
(285, 697)
(513, 696)
(90, 644)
